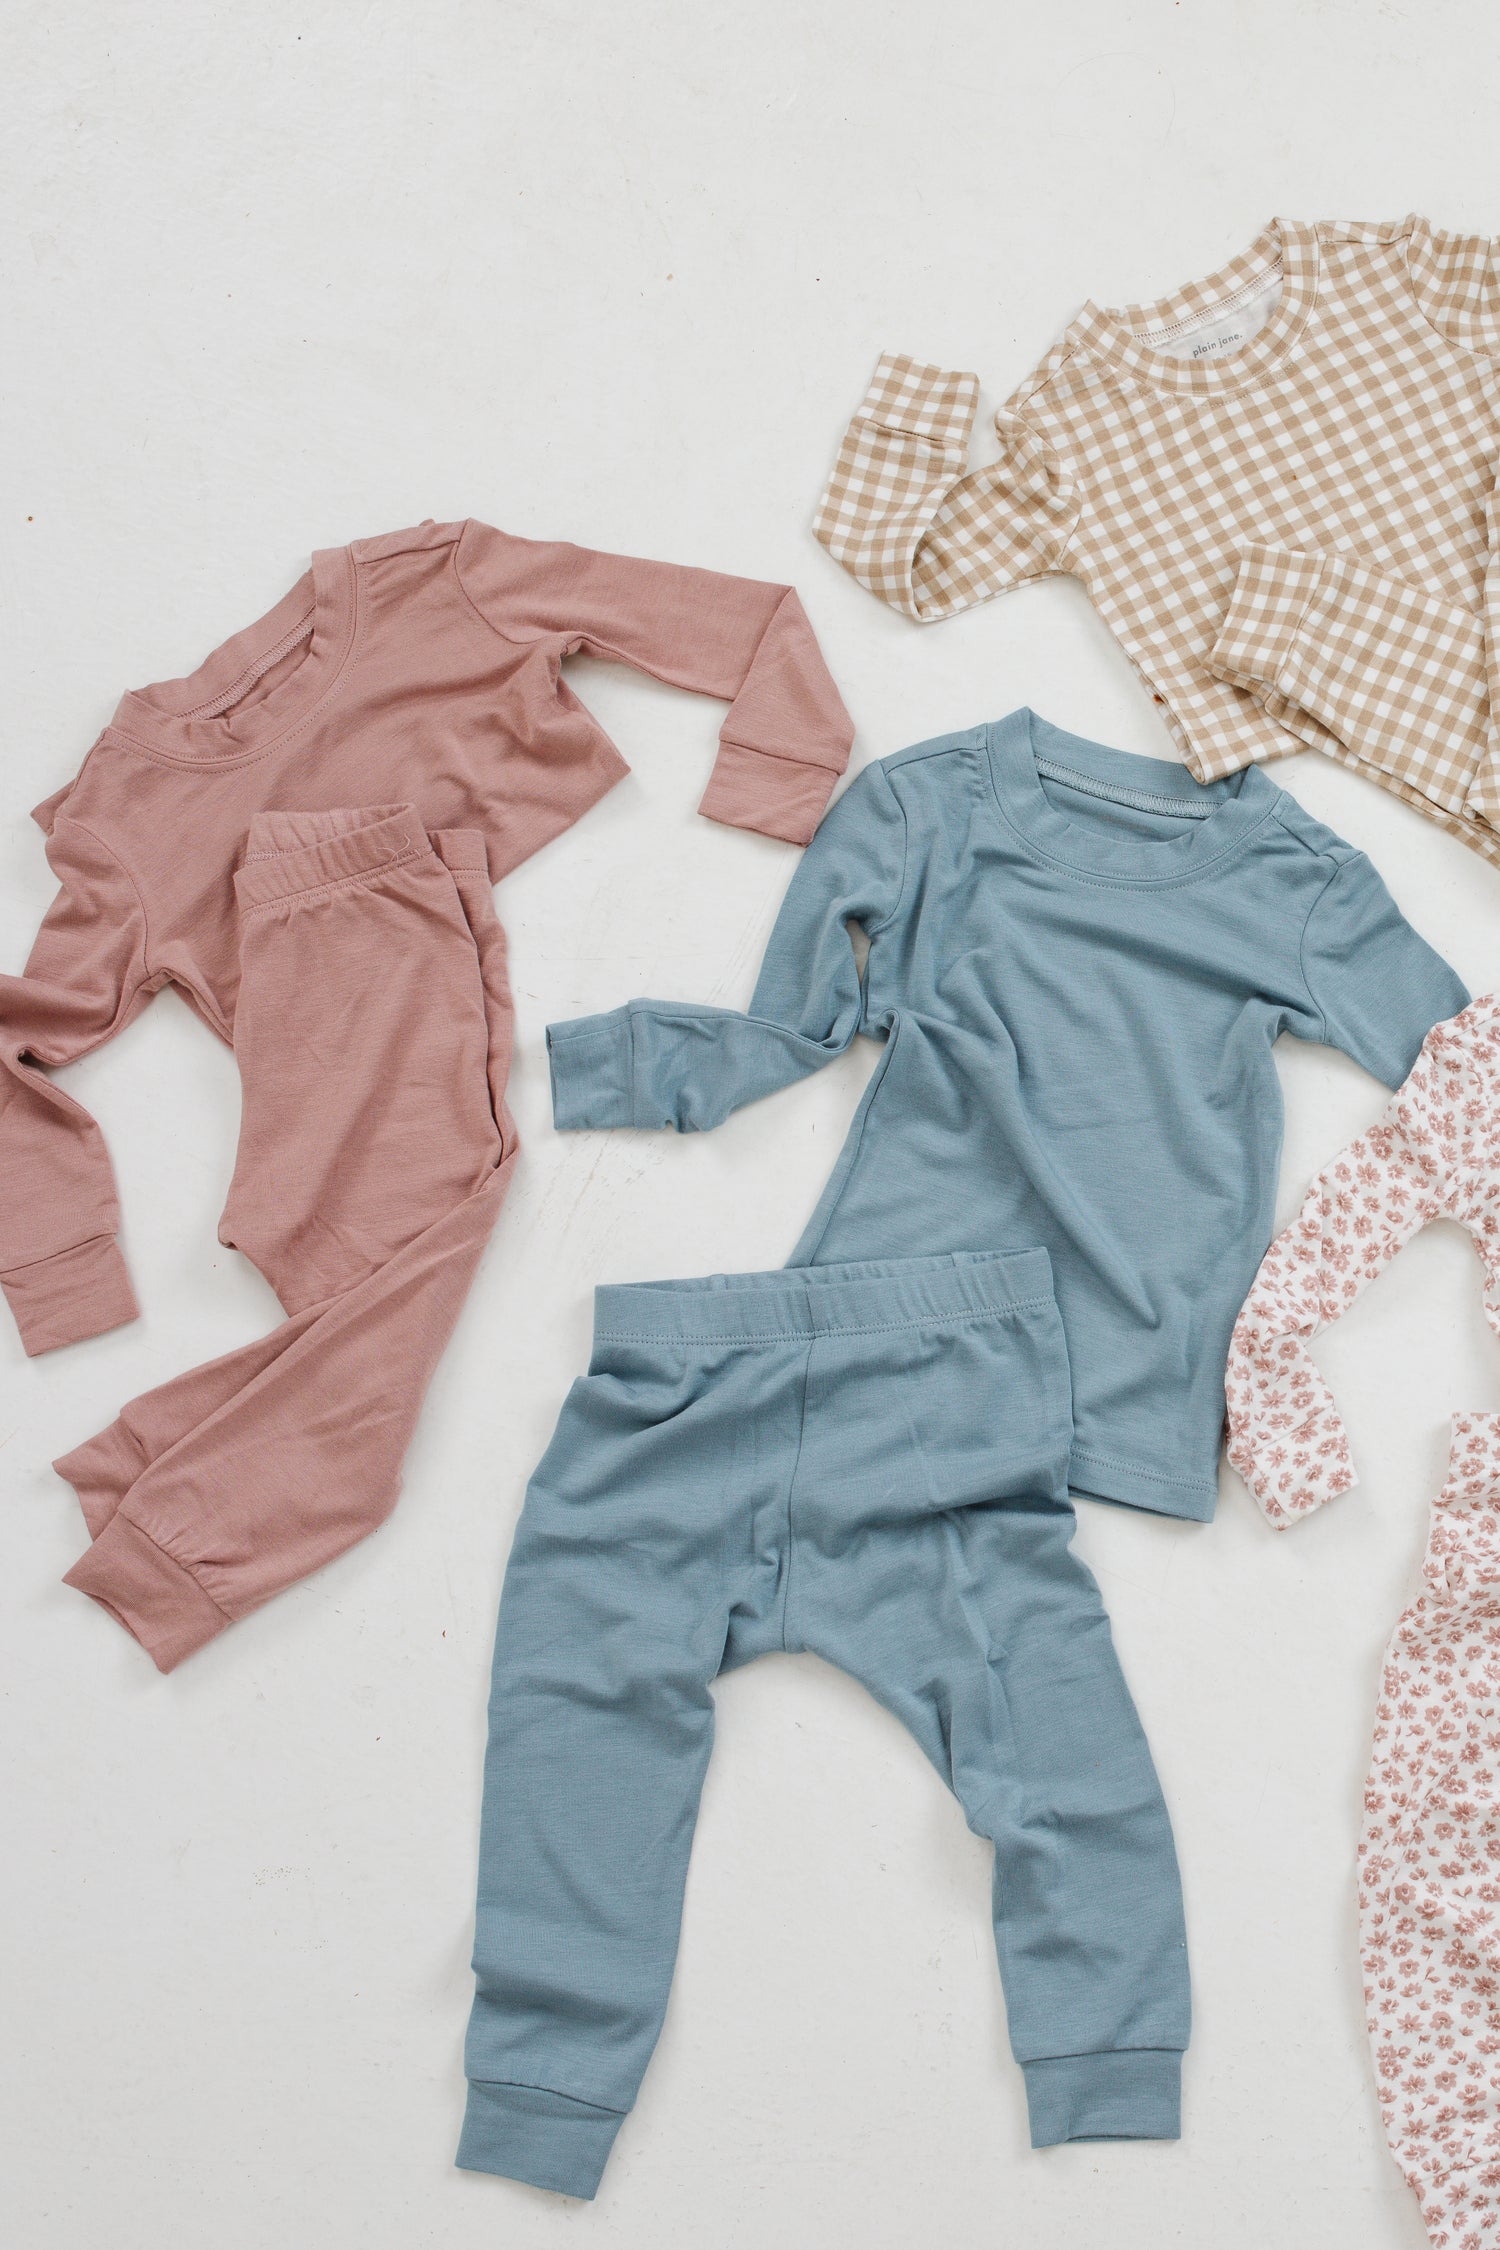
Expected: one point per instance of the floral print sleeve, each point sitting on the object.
(1435, 1153)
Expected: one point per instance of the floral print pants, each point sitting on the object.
(1429, 1877)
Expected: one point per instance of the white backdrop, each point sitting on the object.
(283, 276)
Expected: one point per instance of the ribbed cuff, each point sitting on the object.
(1125, 2094)
(1483, 798)
(529, 2133)
(148, 1593)
(923, 401)
(1271, 594)
(592, 1073)
(79, 1292)
(782, 797)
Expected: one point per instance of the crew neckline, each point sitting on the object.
(1223, 815)
(1287, 250)
(195, 719)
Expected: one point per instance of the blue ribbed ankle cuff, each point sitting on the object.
(1128, 2094)
(529, 2133)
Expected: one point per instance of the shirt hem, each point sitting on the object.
(1095, 1476)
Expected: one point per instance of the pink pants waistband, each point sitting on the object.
(290, 852)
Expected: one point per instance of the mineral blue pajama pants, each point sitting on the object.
(867, 1461)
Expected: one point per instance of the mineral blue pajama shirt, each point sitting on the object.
(1079, 962)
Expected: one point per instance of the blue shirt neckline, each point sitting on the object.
(1223, 815)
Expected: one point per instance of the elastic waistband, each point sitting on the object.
(287, 853)
(823, 1300)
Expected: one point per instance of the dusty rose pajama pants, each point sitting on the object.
(373, 1035)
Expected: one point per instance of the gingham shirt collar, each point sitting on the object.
(1117, 336)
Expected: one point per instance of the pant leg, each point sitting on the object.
(667, 1534)
(930, 1530)
(1396, 678)
(1429, 1862)
(372, 1028)
(1428, 1855)
(650, 1533)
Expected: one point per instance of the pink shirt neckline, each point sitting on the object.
(199, 718)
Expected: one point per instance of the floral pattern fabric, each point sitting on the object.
(1429, 1862)
(1434, 1154)
(1429, 1853)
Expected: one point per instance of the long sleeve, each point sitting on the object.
(60, 1265)
(658, 1062)
(1456, 280)
(907, 518)
(1376, 988)
(787, 736)
(1285, 1435)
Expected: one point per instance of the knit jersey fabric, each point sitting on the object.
(1433, 1154)
(1079, 961)
(1429, 1853)
(1429, 1861)
(1277, 486)
(420, 670)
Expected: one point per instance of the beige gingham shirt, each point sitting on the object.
(1290, 527)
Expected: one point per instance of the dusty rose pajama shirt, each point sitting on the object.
(301, 837)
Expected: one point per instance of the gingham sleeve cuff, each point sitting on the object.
(1272, 592)
(921, 401)
(904, 448)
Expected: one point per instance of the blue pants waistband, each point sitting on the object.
(794, 1301)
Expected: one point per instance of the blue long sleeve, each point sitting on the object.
(666, 1062)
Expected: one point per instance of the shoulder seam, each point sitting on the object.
(1070, 464)
(421, 538)
(873, 930)
(918, 752)
(129, 874)
(1043, 373)
(538, 641)
(1330, 850)
(1373, 233)
(1454, 343)
(1317, 1007)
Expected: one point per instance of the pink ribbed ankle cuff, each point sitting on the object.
(152, 1596)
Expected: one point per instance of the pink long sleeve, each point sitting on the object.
(787, 736)
(60, 1265)
(1427, 1158)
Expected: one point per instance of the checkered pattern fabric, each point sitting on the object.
(1291, 531)
(1380, 663)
